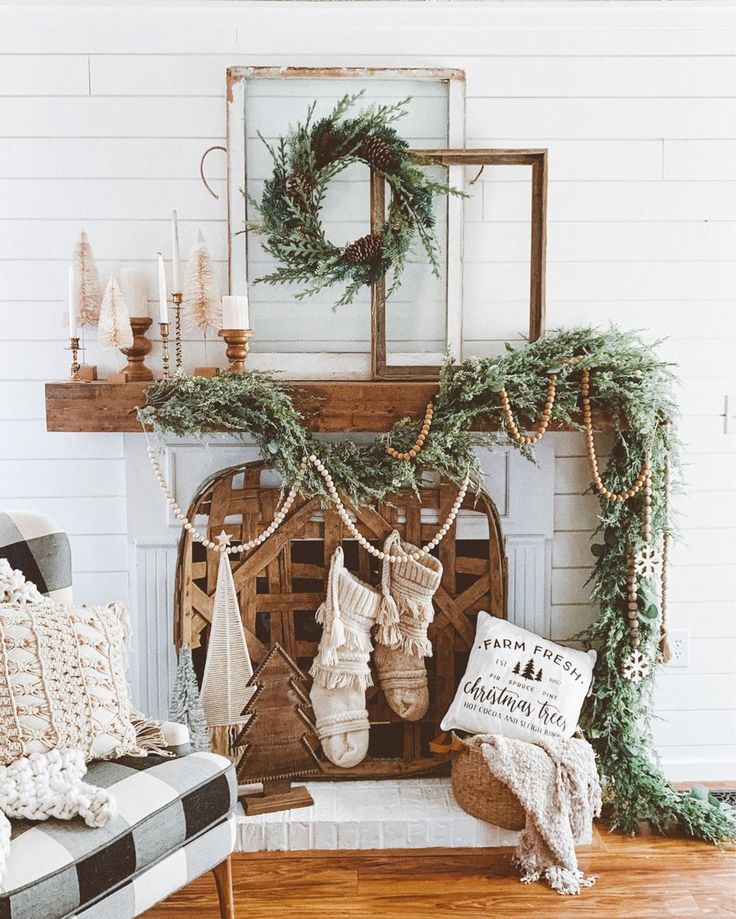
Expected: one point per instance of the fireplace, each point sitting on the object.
(281, 584)
(413, 810)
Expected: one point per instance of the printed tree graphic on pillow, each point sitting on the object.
(517, 668)
(539, 675)
(528, 671)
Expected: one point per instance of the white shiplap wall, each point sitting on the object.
(105, 110)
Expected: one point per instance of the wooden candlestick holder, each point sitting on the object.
(136, 370)
(237, 347)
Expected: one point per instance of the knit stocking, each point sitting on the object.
(403, 643)
(340, 669)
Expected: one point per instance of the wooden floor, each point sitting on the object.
(647, 876)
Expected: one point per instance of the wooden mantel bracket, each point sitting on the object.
(347, 407)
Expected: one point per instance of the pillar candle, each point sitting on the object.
(176, 287)
(72, 304)
(235, 313)
(163, 307)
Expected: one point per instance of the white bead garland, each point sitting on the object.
(378, 553)
(283, 510)
(278, 519)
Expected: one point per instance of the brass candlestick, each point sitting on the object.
(136, 369)
(164, 327)
(74, 348)
(177, 298)
(237, 346)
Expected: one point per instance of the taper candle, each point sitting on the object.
(176, 287)
(235, 313)
(163, 306)
(72, 304)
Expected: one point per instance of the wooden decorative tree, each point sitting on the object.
(279, 739)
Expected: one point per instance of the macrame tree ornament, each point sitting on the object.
(201, 293)
(87, 283)
(228, 669)
(279, 741)
(186, 704)
(114, 329)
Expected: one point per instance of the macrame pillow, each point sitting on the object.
(520, 685)
(62, 681)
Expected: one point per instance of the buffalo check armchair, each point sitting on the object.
(175, 815)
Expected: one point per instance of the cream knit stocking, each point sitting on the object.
(340, 669)
(403, 643)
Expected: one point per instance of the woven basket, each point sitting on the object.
(480, 793)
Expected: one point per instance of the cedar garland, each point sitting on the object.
(633, 386)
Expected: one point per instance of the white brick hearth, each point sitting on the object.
(415, 813)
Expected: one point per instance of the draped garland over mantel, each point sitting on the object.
(551, 379)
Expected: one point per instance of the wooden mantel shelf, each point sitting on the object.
(348, 407)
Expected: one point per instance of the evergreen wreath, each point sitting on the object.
(632, 386)
(305, 162)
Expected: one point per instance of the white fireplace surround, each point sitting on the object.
(413, 812)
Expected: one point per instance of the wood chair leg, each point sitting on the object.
(224, 881)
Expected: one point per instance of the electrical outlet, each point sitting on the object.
(679, 640)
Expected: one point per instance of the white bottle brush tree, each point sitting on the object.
(186, 706)
(201, 304)
(113, 330)
(87, 283)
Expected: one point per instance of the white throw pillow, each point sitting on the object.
(520, 685)
(62, 681)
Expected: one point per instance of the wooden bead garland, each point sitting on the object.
(632, 599)
(635, 666)
(378, 553)
(419, 442)
(642, 563)
(541, 426)
(664, 645)
(647, 559)
(593, 459)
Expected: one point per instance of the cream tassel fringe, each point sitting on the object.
(149, 735)
(388, 632)
(333, 679)
(329, 615)
(563, 880)
(413, 646)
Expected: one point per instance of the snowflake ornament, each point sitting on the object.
(635, 666)
(646, 562)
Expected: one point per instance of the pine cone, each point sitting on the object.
(298, 187)
(377, 153)
(324, 144)
(367, 250)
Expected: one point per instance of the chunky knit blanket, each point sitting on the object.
(45, 785)
(556, 781)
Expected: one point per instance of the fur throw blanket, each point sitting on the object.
(556, 781)
(45, 785)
